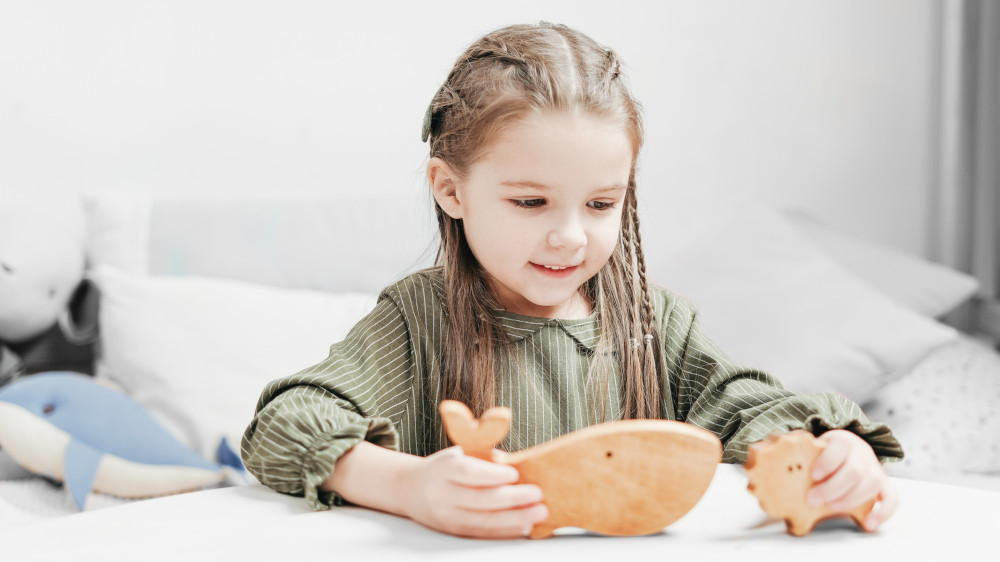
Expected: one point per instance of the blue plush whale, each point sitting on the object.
(69, 427)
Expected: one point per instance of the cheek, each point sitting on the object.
(605, 237)
(492, 237)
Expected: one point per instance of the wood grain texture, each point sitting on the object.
(631, 477)
(778, 470)
(477, 437)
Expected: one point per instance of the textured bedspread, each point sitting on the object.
(25, 498)
(944, 412)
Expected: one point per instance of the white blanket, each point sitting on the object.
(254, 523)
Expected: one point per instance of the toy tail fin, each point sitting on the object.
(82, 462)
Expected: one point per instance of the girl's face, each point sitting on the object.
(542, 208)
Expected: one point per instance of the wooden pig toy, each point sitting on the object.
(631, 477)
(778, 469)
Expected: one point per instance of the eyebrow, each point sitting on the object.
(528, 184)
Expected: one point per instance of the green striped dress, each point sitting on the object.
(382, 384)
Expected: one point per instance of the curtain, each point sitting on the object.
(967, 225)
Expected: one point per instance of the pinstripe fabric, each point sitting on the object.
(381, 384)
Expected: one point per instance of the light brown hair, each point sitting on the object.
(496, 81)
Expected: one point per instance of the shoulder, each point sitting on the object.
(671, 308)
(419, 294)
(426, 282)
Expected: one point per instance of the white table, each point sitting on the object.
(254, 523)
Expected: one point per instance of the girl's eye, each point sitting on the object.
(601, 205)
(528, 203)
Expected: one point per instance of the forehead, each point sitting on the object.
(555, 149)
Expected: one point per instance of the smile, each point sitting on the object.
(555, 270)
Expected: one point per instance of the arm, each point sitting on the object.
(306, 421)
(446, 491)
(744, 405)
(372, 476)
(329, 433)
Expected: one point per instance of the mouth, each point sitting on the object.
(557, 271)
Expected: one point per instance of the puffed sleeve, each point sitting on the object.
(743, 405)
(306, 421)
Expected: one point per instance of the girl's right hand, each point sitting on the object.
(470, 497)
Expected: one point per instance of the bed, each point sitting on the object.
(285, 277)
(254, 523)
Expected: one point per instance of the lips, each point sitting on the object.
(557, 271)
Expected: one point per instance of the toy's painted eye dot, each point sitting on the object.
(798, 467)
(48, 409)
(789, 468)
(608, 454)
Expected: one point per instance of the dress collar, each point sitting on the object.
(586, 331)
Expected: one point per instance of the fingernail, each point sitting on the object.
(526, 530)
(871, 522)
(540, 512)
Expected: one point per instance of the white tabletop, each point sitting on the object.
(254, 523)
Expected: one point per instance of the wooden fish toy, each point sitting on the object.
(778, 471)
(630, 477)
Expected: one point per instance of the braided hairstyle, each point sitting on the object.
(503, 76)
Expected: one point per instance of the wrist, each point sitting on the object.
(404, 485)
(373, 476)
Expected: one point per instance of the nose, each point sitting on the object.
(567, 233)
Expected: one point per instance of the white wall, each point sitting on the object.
(827, 105)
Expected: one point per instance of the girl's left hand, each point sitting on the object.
(847, 473)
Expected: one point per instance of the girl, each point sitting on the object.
(539, 302)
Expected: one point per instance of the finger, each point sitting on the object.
(473, 472)
(507, 522)
(455, 451)
(866, 489)
(497, 498)
(839, 484)
(888, 502)
(499, 533)
(834, 454)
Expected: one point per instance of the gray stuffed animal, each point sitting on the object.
(48, 312)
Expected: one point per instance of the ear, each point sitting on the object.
(444, 187)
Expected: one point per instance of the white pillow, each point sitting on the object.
(198, 351)
(304, 243)
(960, 384)
(928, 288)
(771, 299)
(320, 243)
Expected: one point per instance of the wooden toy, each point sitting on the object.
(630, 477)
(778, 469)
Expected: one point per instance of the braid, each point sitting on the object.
(642, 380)
(613, 69)
(631, 270)
(445, 98)
(632, 365)
(646, 309)
(651, 340)
(499, 48)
